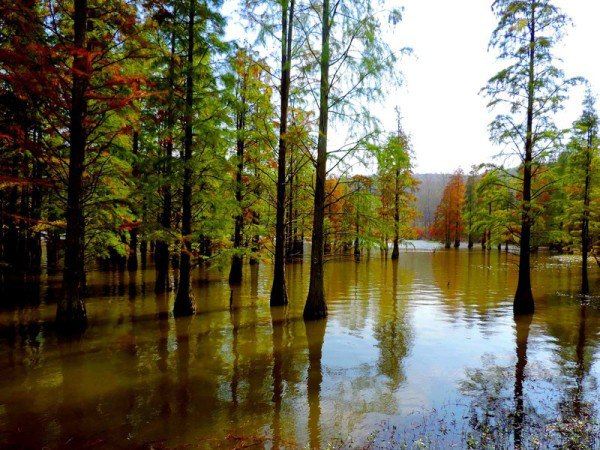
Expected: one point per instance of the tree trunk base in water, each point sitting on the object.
(278, 293)
(71, 317)
(184, 305)
(395, 253)
(235, 273)
(315, 307)
(523, 302)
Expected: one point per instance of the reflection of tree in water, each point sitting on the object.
(514, 407)
(315, 335)
(392, 329)
(473, 282)
(576, 423)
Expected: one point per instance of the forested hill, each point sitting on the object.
(429, 195)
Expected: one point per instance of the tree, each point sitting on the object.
(397, 183)
(469, 208)
(448, 224)
(533, 88)
(352, 63)
(582, 154)
(85, 93)
(184, 301)
(254, 135)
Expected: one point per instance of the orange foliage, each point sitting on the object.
(448, 222)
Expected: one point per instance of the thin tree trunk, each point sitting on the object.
(356, 240)
(457, 235)
(523, 302)
(237, 261)
(184, 302)
(315, 307)
(71, 312)
(161, 248)
(132, 261)
(290, 213)
(279, 290)
(585, 223)
(396, 250)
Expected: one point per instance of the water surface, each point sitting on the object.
(424, 350)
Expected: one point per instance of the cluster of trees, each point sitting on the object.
(544, 191)
(132, 131)
(485, 206)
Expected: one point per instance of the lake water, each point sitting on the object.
(423, 351)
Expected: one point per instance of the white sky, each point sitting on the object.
(439, 100)
(440, 104)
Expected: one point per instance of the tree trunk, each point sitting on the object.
(132, 260)
(237, 261)
(315, 307)
(71, 313)
(523, 302)
(585, 223)
(279, 290)
(161, 250)
(457, 236)
(396, 250)
(289, 252)
(184, 302)
(356, 241)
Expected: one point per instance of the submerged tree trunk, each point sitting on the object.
(523, 302)
(71, 312)
(396, 250)
(161, 251)
(279, 290)
(315, 307)
(184, 302)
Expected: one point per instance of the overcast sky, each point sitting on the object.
(439, 100)
(440, 104)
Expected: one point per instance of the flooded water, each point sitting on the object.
(422, 352)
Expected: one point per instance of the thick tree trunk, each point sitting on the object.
(315, 307)
(279, 290)
(161, 251)
(71, 312)
(396, 249)
(523, 303)
(144, 253)
(184, 302)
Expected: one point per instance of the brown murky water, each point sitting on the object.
(424, 351)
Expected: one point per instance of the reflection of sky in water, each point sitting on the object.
(401, 341)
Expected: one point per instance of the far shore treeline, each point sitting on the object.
(136, 132)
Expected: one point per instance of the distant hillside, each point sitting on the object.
(429, 195)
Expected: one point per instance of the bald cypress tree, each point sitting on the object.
(526, 94)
